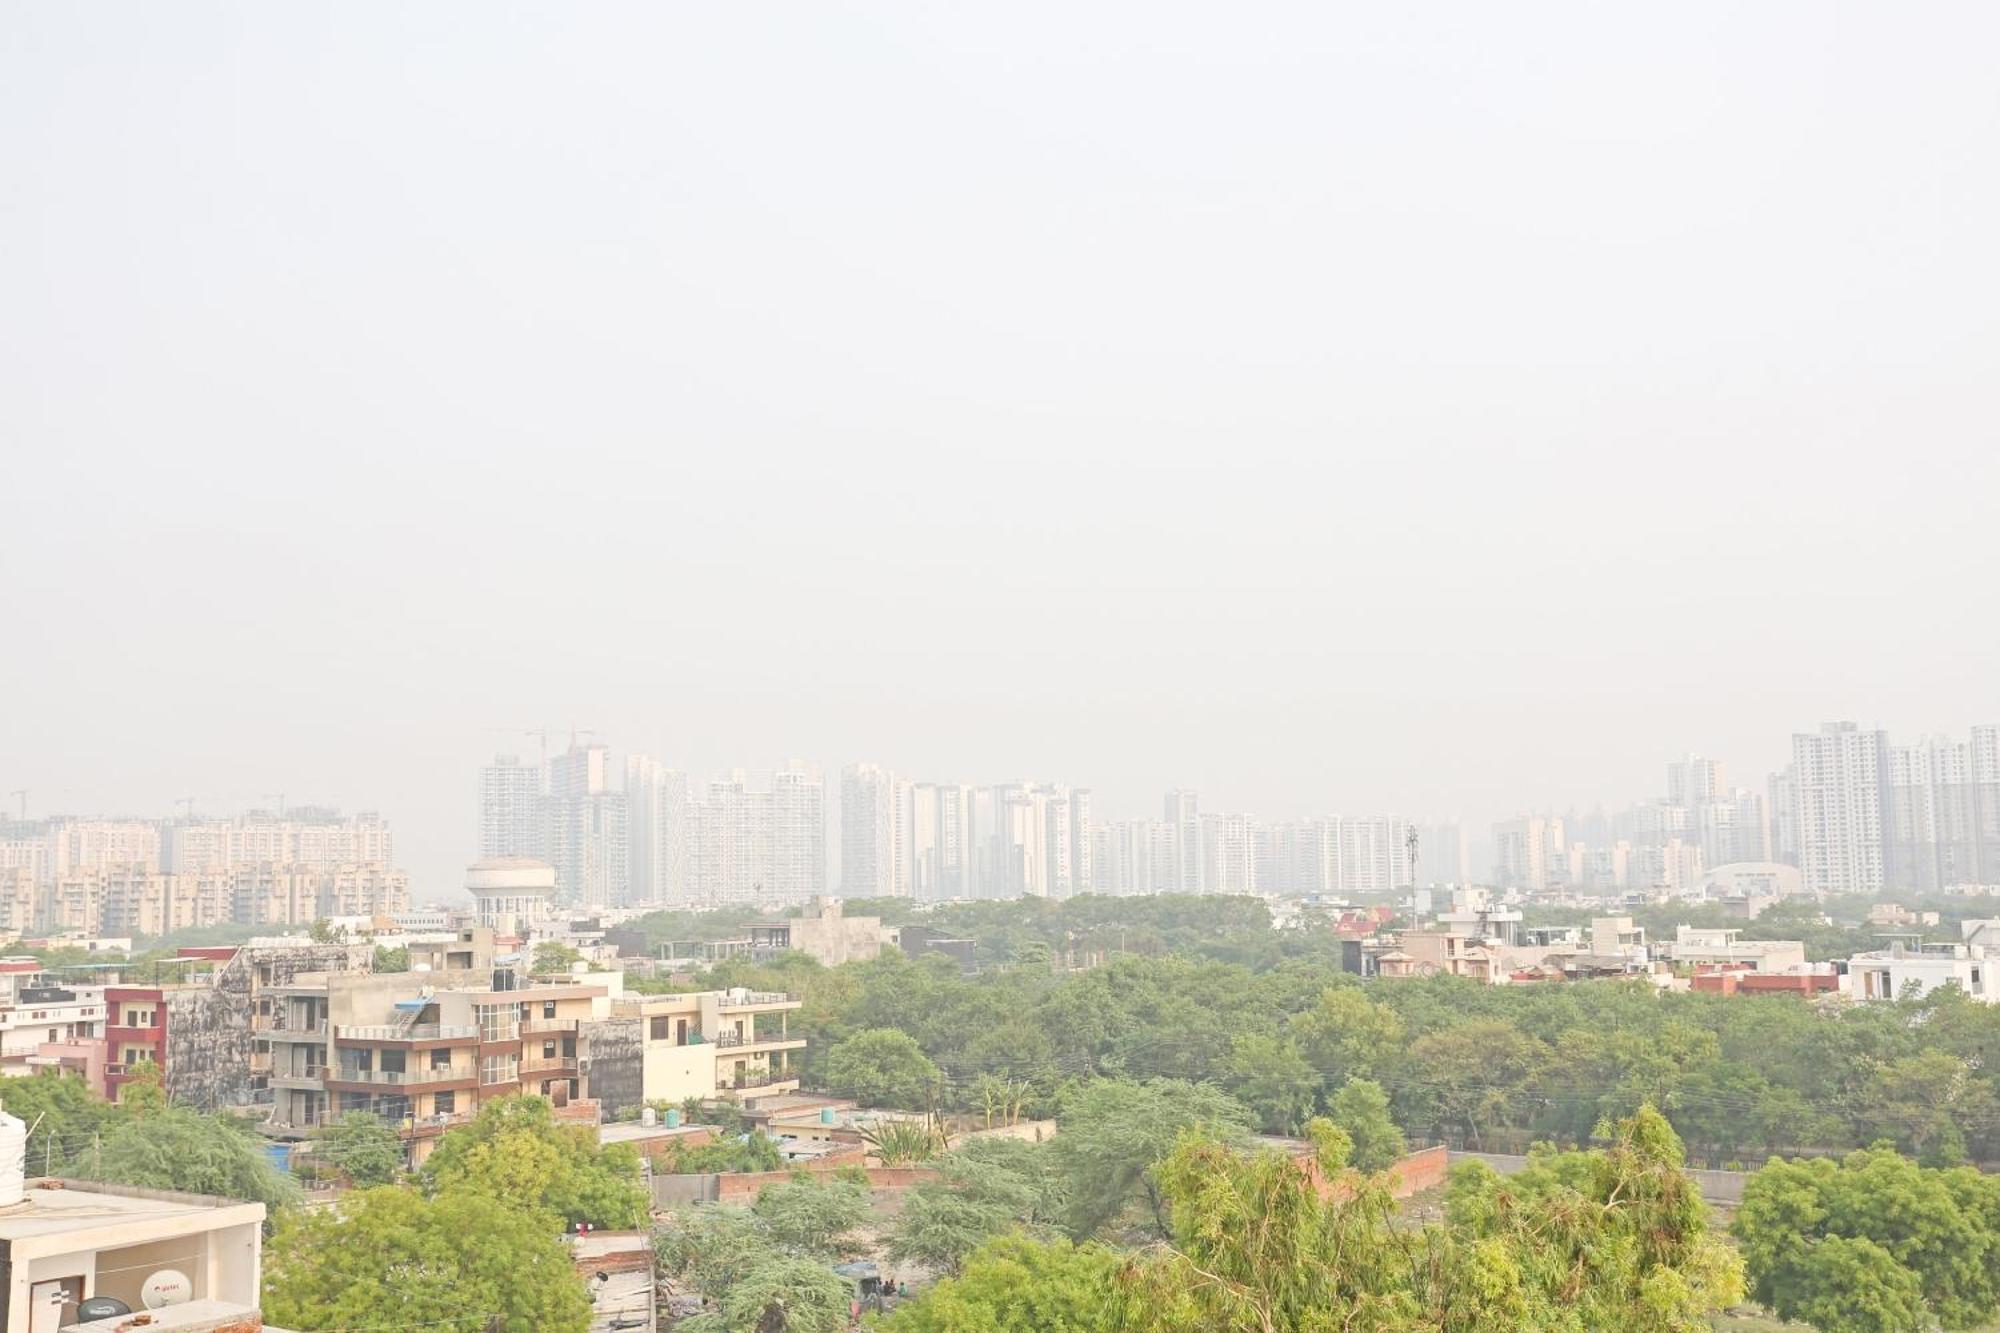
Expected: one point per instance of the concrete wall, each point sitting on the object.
(208, 1027)
(611, 1055)
(1722, 1187)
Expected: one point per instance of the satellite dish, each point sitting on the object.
(167, 1287)
(101, 1307)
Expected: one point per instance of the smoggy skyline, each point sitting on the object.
(1454, 413)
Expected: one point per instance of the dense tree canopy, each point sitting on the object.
(517, 1152)
(362, 1147)
(179, 1149)
(1204, 990)
(1613, 1238)
(392, 1259)
(1873, 1242)
(882, 1067)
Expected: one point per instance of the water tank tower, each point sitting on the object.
(511, 894)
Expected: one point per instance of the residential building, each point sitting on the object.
(423, 1049)
(1841, 793)
(65, 1242)
(513, 812)
(760, 846)
(659, 813)
(1696, 946)
(1183, 815)
(137, 898)
(1525, 850)
(942, 837)
(587, 841)
(45, 1023)
(1694, 781)
(876, 828)
(1442, 854)
(1229, 854)
(1909, 968)
(714, 1043)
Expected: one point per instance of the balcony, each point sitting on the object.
(402, 1078)
(533, 1026)
(416, 1032)
(756, 1078)
(286, 1031)
(754, 999)
(776, 1041)
(307, 1080)
(545, 1064)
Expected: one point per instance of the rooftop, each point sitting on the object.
(58, 1216)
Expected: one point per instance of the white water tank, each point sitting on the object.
(13, 1159)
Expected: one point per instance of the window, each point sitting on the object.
(548, 1008)
(660, 1028)
(445, 1103)
(569, 1048)
(548, 1050)
(503, 1068)
(440, 1058)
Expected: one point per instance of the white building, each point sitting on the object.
(188, 1261)
(659, 814)
(1525, 851)
(587, 830)
(1840, 788)
(1698, 945)
(1183, 814)
(942, 838)
(511, 895)
(513, 820)
(876, 833)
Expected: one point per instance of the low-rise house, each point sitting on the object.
(45, 1024)
(1911, 967)
(1700, 945)
(1743, 979)
(185, 1260)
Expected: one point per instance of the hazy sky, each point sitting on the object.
(1448, 408)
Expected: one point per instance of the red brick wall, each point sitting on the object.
(1418, 1171)
(742, 1186)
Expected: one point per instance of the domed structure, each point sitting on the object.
(510, 893)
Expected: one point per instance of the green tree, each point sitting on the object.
(1347, 1035)
(391, 1259)
(517, 1152)
(711, 1248)
(1361, 1108)
(145, 1093)
(882, 1067)
(812, 1217)
(779, 1294)
(363, 1147)
(391, 960)
(66, 1117)
(1941, 1226)
(1014, 1284)
(177, 1149)
(1856, 1286)
(1268, 1075)
(323, 931)
(554, 957)
(1113, 1133)
(987, 1187)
